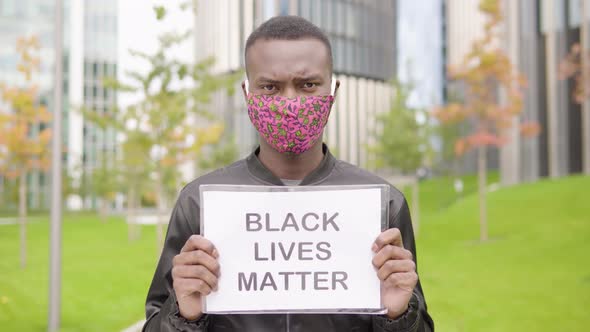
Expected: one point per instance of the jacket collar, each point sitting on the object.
(257, 169)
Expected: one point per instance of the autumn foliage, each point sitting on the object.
(573, 67)
(24, 141)
(485, 73)
(24, 133)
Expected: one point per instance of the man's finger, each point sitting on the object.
(403, 280)
(395, 266)
(391, 236)
(198, 257)
(186, 287)
(197, 242)
(390, 252)
(195, 272)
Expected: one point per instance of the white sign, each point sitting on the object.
(293, 251)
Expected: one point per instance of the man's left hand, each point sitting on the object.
(396, 270)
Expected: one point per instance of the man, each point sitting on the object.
(288, 63)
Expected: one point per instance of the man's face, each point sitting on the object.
(288, 68)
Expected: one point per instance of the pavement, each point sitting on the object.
(135, 327)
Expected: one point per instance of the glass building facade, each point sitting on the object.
(100, 61)
(362, 34)
(90, 53)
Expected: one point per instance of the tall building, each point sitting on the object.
(538, 43)
(99, 57)
(538, 35)
(363, 37)
(90, 50)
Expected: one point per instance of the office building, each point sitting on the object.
(90, 53)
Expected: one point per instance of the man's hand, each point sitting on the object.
(194, 273)
(396, 270)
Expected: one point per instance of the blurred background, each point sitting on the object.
(478, 110)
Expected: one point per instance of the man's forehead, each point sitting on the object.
(301, 57)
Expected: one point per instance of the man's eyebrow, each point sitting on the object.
(267, 80)
(312, 77)
(316, 77)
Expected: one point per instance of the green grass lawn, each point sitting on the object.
(105, 278)
(437, 194)
(534, 273)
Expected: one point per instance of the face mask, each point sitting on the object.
(291, 125)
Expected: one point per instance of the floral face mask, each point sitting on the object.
(291, 125)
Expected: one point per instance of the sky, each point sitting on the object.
(138, 30)
(419, 50)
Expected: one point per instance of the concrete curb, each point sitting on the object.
(135, 327)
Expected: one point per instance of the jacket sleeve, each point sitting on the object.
(417, 318)
(161, 308)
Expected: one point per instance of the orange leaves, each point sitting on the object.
(485, 138)
(491, 89)
(169, 160)
(571, 65)
(27, 47)
(530, 129)
(211, 134)
(23, 142)
(450, 113)
(576, 65)
(480, 138)
(460, 147)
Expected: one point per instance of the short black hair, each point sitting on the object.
(288, 28)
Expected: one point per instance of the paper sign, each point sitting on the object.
(293, 251)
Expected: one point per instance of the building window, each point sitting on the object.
(340, 19)
(304, 9)
(269, 9)
(552, 15)
(316, 13)
(329, 16)
(284, 10)
(574, 15)
(351, 26)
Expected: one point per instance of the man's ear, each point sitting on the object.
(336, 88)
(244, 90)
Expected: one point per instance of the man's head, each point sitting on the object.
(289, 69)
(288, 56)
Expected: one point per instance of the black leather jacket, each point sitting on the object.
(162, 309)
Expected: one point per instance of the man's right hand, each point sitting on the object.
(195, 271)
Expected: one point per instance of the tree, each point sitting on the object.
(221, 155)
(401, 141)
(157, 131)
(102, 180)
(486, 73)
(104, 183)
(24, 133)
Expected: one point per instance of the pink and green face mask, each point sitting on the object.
(291, 125)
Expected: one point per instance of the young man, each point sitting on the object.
(288, 60)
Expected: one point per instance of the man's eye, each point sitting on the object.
(309, 85)
(268, 87)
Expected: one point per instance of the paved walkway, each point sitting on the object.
(14, 220)
(135, 327)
